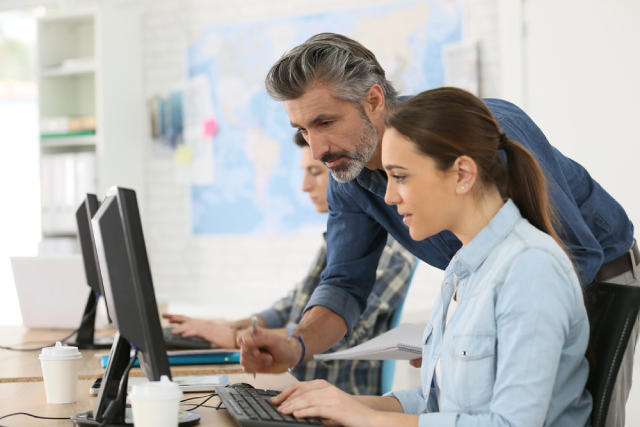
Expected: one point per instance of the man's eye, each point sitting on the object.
(302, 131)
(325, 124)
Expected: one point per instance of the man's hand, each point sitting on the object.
(217, 334)
(416, 363)
(265, 352)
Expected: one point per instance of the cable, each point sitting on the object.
(31, 415)
(113, 408)
(202, 403)
(49, 343)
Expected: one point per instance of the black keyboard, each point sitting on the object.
(251, 408)
(174, 341)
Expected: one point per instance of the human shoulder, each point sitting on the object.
(508, 113)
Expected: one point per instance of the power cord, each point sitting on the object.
(49, 343)
(202, 404)
(31, 415)
(115, 405)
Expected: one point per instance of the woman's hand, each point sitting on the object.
(320, 399)
(217, 334)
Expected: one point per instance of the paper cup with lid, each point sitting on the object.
(156, 403)
(60, 366)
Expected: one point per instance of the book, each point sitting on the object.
(401, 343)
(188, 357)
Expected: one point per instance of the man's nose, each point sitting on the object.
(319, 145)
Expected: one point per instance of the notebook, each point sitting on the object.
(189, 357)
(401, 343)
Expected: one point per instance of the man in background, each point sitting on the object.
(360, 377)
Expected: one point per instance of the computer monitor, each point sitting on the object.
(85, 337)
(128, 290)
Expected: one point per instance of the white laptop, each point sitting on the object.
(52, 290)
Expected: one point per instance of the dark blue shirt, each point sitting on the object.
(596, 228)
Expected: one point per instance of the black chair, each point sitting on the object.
(613, 310)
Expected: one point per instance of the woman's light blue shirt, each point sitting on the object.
(513, 353)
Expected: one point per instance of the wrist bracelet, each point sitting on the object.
(303, 349)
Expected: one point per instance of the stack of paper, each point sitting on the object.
(401, 343)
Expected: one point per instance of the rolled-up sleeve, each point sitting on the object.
(412, 400)
(355, 242)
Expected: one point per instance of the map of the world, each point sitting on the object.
(256, 165)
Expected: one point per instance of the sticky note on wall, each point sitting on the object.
(209, 127)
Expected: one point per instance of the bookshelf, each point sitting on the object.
(90, 108)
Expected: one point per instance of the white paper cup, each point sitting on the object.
(60, 366)
(156, 403)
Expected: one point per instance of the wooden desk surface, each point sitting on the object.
(24, 366)
(30, 397)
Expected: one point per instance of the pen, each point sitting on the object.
(254, 330)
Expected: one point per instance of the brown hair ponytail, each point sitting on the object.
(447, 123)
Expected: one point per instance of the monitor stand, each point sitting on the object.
(84, 338)
(114, 374)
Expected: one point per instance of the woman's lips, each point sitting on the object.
(406, 217)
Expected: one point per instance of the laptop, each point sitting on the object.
(52, 290)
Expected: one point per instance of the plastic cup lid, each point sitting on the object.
(60, 352)
(156, 390)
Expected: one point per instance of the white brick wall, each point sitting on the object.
(230, 276)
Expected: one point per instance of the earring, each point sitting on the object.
(465, 185)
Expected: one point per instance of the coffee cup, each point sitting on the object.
(156, 403)
(60, 366)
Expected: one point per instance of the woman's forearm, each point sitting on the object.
(386, 404)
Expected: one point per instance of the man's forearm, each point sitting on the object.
(319, 328)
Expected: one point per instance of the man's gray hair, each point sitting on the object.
(334, 60)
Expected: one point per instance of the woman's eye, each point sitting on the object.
(398, 178)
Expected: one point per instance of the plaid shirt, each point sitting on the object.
(358, 377)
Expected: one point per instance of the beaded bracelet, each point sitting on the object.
(303, 349)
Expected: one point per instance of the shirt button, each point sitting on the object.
(447, 270)
(464, 283)
(435, 357)
(446, 283)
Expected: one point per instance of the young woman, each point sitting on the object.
(505, 343)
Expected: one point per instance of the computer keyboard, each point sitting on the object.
(251, 408)
(174, 341)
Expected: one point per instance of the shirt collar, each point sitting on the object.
(472, 255)
(374, 181)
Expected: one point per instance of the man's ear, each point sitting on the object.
(466, 172)
(374, 102)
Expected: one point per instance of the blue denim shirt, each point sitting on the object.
(513, 352)
(596, 228)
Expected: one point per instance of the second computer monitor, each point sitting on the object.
(126, 279)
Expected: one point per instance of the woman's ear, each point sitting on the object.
(466, 172)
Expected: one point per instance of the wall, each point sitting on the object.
(203, 274)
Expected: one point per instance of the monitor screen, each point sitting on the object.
(85, 212)
(126, 278)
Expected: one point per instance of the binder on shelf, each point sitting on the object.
(65, 179)
(401, 343)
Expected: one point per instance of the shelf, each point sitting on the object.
(69, 70)
(75, 141)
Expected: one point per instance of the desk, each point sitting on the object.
(29, 397)
(24, 366)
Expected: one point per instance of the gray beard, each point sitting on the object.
(360, 156)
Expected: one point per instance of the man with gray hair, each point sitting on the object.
(337, 96)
